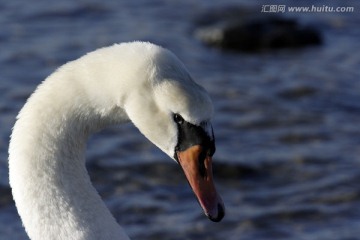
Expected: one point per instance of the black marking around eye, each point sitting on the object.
(190, 135)
(178, 118)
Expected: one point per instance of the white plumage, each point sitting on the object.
(137, 81)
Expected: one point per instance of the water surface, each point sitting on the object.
(287, 160)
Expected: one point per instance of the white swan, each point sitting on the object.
(135, 81)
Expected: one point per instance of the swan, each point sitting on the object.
(136, 81)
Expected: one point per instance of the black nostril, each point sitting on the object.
(201, 160)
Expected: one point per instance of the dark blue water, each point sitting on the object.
(287, 122)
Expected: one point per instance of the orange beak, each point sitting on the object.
(198, 172)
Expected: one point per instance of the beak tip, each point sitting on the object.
(220, 214)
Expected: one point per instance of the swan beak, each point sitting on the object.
(198, 171)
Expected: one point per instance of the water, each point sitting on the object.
(287, 164)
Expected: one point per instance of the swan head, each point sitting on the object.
(175, 113)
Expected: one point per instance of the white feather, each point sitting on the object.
(135, 81)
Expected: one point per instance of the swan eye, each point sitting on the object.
(178, 119)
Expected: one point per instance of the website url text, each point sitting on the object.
(307, 9)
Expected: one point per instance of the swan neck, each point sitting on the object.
(51, 186)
